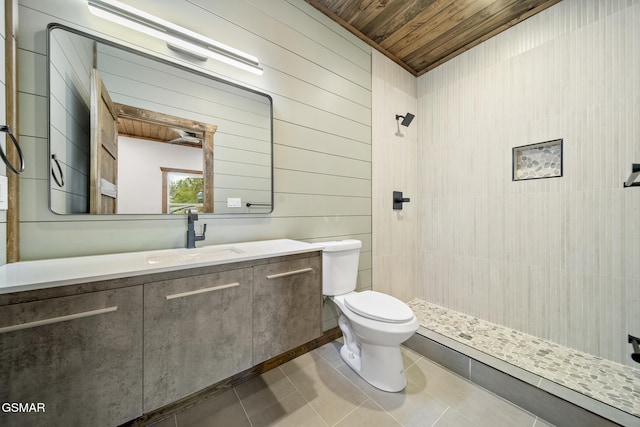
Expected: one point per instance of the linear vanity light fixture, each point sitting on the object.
(178, 38)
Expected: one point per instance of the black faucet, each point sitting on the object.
(192, 238)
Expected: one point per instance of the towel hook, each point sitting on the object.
(59, 181)
(7, 129)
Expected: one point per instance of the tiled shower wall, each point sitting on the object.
(393, 152)
(557, 258)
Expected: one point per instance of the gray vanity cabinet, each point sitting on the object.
(197, 331)
(287, 306)
(79, 356)
(104, 353)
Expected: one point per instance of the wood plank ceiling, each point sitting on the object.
(419, 35)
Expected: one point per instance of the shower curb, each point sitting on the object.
(547, 400)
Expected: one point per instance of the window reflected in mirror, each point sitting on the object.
(182, 190)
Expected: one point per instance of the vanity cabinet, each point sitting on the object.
(287, 306)
(79, 356)
(105, 352)
(201, 329)
(197, 331)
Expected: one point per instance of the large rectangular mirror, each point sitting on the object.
(133, 134)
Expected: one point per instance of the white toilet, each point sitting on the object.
(373, 324)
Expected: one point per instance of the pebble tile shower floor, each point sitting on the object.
(606, 381)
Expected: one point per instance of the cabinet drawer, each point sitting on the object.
(197, 331)
(287, 306)
(79, 355)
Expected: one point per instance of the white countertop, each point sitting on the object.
(41, 274)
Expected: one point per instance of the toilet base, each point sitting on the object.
(380, 366)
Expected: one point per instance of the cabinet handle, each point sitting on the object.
(289, 273)
(201, 291)
(57, 319)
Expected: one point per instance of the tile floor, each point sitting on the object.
(318, 389)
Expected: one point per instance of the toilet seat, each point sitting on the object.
(378, 306)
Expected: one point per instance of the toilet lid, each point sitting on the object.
(377, 306)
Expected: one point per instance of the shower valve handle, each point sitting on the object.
(398, 200)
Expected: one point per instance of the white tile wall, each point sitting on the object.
(556, 258)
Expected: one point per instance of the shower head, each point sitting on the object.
(406, 119)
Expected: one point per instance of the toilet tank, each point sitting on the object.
(340, 266)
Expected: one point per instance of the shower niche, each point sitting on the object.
(536, 161)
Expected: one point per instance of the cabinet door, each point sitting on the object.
(79, 356)
(287, 306)
(197, 331)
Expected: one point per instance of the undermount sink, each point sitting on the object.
(204, 254)
(224, 253)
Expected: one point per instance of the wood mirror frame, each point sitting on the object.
(11, 82)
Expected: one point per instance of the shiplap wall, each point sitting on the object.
(70, 88)
(557, 258)
(319, 77)
(3, 116)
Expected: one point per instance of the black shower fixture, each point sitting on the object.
(635, 171)
(406, 119)
(636, 348)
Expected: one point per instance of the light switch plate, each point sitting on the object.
(4, 193)
(234, 202)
